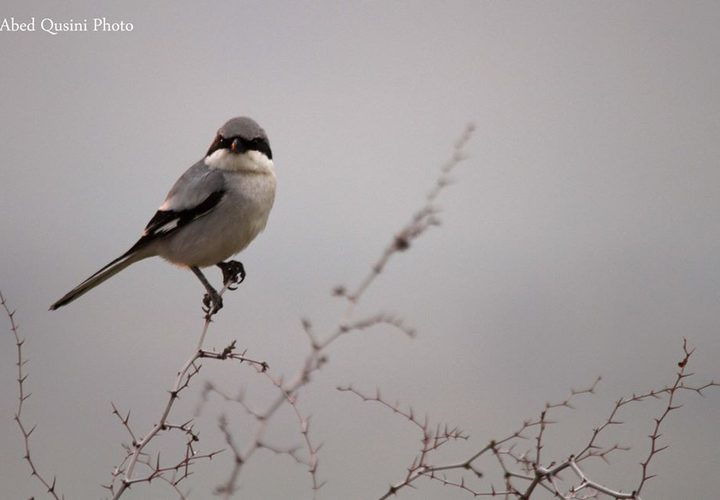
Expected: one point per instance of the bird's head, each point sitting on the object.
(240, 144)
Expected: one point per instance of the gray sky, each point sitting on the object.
(580, 239)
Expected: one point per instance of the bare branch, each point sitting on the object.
(22, 375)
(525, 473)
(135, 453)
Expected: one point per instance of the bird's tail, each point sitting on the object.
(106, 272)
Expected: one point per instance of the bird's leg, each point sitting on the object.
(212, 300)
(233, 273)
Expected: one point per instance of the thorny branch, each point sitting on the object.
(528, 471)
(523, 472)
(22, 397)
(125, 471)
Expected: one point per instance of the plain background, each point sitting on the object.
(580, 239)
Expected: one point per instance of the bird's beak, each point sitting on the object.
(235, 146)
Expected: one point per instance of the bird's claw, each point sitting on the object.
(212, 303)
(233, 273)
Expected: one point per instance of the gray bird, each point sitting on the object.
(214, 210)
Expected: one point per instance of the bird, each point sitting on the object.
(212, 212)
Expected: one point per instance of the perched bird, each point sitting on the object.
(214, 210)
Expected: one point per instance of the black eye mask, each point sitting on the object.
(256, 144)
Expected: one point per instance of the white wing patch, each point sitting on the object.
(168, 227)
(168, 221)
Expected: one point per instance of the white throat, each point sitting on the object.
(249, 161)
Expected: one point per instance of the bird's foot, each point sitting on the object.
(233, 273)
(212, 303)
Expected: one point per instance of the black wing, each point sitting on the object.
(166, 222)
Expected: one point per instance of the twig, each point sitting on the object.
(655, 435)
(425, 217)
(22, 375)
(135, 452)
(532, 471)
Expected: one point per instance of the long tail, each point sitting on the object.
(106, 272)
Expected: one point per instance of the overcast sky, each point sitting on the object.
(580, 239)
